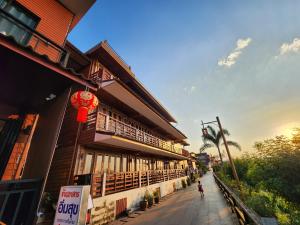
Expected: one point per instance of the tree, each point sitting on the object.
(214, 139)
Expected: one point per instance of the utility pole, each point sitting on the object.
(204, 130)
(228, 153)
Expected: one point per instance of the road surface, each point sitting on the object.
(186, 207)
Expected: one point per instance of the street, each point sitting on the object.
(188, 208)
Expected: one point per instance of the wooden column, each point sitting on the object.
(107, 122)
(148, 178)
(103, 184)
(140, 179)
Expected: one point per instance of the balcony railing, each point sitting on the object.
(28, 37)
(101, 75)
(119, 128)
(105, 184)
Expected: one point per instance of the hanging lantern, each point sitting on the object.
(85, 102)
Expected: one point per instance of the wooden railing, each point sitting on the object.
(119, 128)
(101, 75)
(110, 183)
(244, 214)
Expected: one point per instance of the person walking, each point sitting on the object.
(200, 189)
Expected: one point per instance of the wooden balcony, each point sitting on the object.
(106, 123)
(105, 184)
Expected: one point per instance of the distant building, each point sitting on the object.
(203, 157)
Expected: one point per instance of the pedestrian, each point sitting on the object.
(200, 189)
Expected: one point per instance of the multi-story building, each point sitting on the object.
(127, 146)
(35, 85)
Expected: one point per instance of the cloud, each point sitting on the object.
(294, 46)
(235, 54)
(190, 90)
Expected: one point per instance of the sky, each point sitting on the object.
(239, 60)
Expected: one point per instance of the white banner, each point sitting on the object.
(72, 205)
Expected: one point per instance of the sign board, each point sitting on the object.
(72, 205)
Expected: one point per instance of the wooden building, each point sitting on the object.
(128, 145)
(35, 86)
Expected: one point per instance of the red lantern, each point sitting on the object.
(85, 102)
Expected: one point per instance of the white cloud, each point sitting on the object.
(190, 90)
(234, 55)
(294, 46)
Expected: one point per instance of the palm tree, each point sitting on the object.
(214, 140)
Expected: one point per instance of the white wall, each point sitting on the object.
(104, 207)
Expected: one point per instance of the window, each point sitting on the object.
(10, 27)
(88, 164)
(124, 164)
(105, 164)
(98, 164)
(112, 164)
(118, 164)
(138, 164)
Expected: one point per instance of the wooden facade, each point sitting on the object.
(128, 142)
(116, 166)
(33, 99)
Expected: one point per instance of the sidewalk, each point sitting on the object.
(186, 207)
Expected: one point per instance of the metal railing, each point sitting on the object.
(18, 201)
(26, 36)
(110, 183)
(244, 214)
(119, 128)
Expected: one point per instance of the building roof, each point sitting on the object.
(127, 76)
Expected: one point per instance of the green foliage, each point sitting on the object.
(213, 138)
(201, 166)
(261, 203)
(270, 178)
(48, 203)
(183, 182)
(188, 181)
(150, 200)
(194, 177)
(155, 194)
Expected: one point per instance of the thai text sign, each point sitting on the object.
(72, 205)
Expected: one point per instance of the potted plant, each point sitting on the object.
(188, 181)
(150, 200)
(47, 208)
(143, 203)
(183, 183)
(156, 197)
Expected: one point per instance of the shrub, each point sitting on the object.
(150, 200)
(188, 181)
(183, 182)
(261, 204)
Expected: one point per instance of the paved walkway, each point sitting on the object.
(186, 207)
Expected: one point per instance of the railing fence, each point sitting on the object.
(109, 183)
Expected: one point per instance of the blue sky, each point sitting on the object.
(236, 59)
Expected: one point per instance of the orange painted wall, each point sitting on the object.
(19, 153)
(54, 23)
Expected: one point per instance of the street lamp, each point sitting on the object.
(205, 132)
